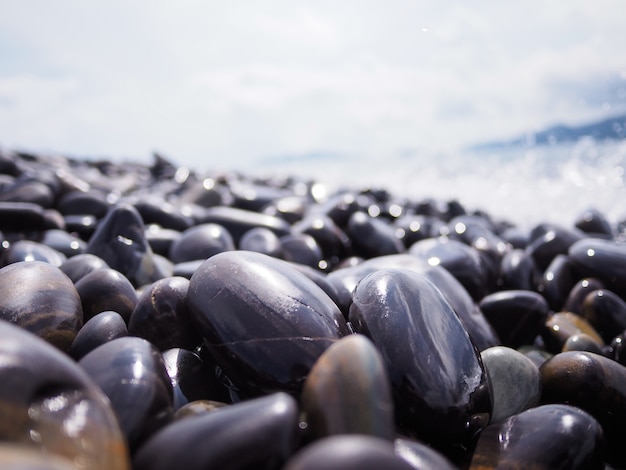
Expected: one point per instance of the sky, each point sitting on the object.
(234, 83)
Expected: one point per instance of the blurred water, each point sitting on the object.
(525, 186)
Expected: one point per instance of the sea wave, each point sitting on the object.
(522, 185)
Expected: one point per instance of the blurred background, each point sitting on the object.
(439, 88)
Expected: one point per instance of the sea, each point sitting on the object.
(523, 185)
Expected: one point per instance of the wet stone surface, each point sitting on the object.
(153, 316)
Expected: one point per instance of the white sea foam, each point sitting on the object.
(525, 186)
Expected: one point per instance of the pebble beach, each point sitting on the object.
(158, 317)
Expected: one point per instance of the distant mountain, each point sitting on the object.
(613, 128)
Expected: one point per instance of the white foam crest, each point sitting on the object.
(525, 186)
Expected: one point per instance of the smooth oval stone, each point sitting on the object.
(546, 437)
(8, 163)
(257, 433)
(333, 241)
(348, 392)
(84, 203)
(348, 452)
(261, 240)
(81, 225)
(204, 193)
(28, 250)
(154, 210)
(131, 372)
(49, 404)
(263, 321)
(557, 282)
(239, 221)
(30, 191)
(602, 259)
(518, 316)
(38, 297)
(120, 241)
(372, 237)
(21, 216)
(606, 312)
(340, 206)
(518, 271)
(576, 297)
(515, 381)
(290, 208)
(161, 239)
(302, 249)
(201, 242)
(63, 242)
(515, 236)
(479, 233)
(100, 329)
(345, 280)
(440, 387)
(253, 196)
(106, 289)
(595, 384)
(416, 227)
(419, 456)
(80, 265)
(191, 378)
(592, 221)
(161, 315)
(560, 326)
(462, 261)
(554, 241)
(53, 219)
(582, 342)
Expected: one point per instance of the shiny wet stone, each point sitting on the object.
(545, 437)
(80, 265)
(441, 390)
(461, 260)
(602, 259)
(561, 326)
(348, 392)
(161, 315)
(192, 378)
(120, 241)
(99, 329)
(27, 250)
(200, 242)
(50, 405)
(258, 433)
(106, 289)
(131, 372)
(595, 384)
(38, 297)
(518, 316)
(515, 381)
(264, 322)
(606, 312)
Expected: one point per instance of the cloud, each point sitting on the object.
(235, 81)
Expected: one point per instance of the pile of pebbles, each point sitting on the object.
(157, 318)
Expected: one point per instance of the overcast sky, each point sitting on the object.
(236, 81)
